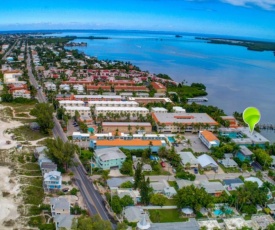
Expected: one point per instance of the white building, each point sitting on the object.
(79, 88)
(209, 139)
(113, 103)
(64, 87)
(21, 93)
(188, 157)
(133, 111)
(159, 110)
(178, 109)
(11, 76)
(64, 104)
(50, 86)
(86, 111)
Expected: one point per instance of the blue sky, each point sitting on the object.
(253, 18)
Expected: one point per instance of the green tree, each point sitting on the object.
(145, 191)
(262, 157)
(122, 226)
(116, 204)
(158, 199)
(61, 153)
(44, 116)
(91, 223)
(138, 175)
(127, 168)
(127, 184)
(193, 197)
(126, 201)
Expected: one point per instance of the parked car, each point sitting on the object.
(196, 170)
(162, 164)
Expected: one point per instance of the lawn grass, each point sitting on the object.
(166, 215)
(170, 202)
(24, 132)
(173, 184)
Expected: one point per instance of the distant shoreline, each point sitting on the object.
(259, 46)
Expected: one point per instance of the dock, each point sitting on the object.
(197, 99)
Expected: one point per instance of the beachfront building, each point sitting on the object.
(188, 158)
(11, 76)
(133, 141)
(71, 110)
(72, 97)
(178, 109)
(109, 158)
(127, 127)
(59, 205)
(177, 122)
(244, 154)
(209, 139)
(21, 93)
(113, 104)
(133, 112)
(70, 103)
(231, 120)
(52, 181)
(160, 88)
(80, 136)
(146, 100)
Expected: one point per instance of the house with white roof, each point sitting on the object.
(164, 188)
(59, 205)
(109, 158)
(133, 214)
(188, 157)
(255, 179)
(63, 221)
(207, 162)
(52, 181)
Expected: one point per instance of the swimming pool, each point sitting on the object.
(219, 212)
(171, 139)
(91, 130)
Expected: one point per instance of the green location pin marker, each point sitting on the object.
(251, 116)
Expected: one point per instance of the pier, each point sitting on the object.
(197, 99)
(266, 126)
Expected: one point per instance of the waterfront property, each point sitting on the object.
(81, 136)
(109, 158)
(86, 111)
(209, 139)
(177, 122)
(134, 112)
(52, 181)
(47, 167)
(127, 127)
(244, 154)
(59, 205)
(146, 100)
(232, 121)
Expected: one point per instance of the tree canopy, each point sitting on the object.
(193, 197)
(91, 223)
(61, 153)
(44, 116)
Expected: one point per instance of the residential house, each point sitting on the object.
(47, 167)
(178, 109)
(255, 180)
(52, 181)
(244, 154)
(116, 182)
(39, 150)
(232, 184)
(50, 86)
(160, 88)
(235, 223)
(133, 214)
(59, 205)
(228, 163)
(63, 221)
(145, 167)
(188, 158)
(213, 188)
(42, 158)
(207, 162)
(21, 93)
(12, 76)
(209, 139)
(191, 224)
(158, 110)
(261, 221)
(109, 158)
(164, 188)
(184, 183)
(134, 194)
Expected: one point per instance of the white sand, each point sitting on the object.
(5, 136)
(8, 210)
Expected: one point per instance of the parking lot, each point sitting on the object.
(72, 128)
(196, 144)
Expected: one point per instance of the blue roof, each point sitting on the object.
(232, 181)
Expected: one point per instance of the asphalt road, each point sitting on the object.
(92, 198)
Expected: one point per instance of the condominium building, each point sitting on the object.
(133, 111)
(127, 127)
(86, 111)
(209, 139)
(113, 103)
(176, 122)
(146, 100)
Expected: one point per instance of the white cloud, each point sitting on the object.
(265, 4)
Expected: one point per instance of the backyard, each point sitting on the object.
(166, 215)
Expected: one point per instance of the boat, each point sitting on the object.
(197, 99)
(178, 36)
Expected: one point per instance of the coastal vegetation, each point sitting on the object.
(249, 44)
